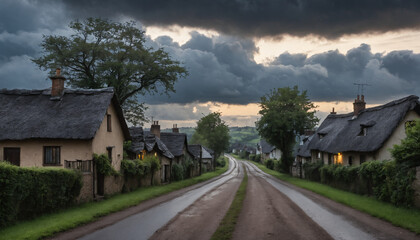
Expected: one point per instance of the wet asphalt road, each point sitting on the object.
(325, 217)
(144, 224)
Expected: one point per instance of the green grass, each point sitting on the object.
(227, 225)
(402, 217)
(47, 225)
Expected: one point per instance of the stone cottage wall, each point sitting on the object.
(86, 193)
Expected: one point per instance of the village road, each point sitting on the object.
(144, 224)
(295, 213)
(202, 218)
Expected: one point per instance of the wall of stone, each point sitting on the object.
(86, 193)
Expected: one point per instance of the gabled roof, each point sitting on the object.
(194, 149)
(210, 151)
(303, 150)
(341, 132)
(78, 114)
(148, 141)
(175, 142)
(266, 147)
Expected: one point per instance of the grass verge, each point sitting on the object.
(47, 225)
(227, 225)
(402, 217)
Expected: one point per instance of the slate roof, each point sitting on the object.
(148, 141)
(340, 132)
(266, 147)
(78, 114)
(210, 151)
(175, 142)
(194, 149)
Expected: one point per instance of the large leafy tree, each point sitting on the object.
(408, 151)
(212, 132)
(285, 113)
(101, 53)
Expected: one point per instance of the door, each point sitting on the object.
(12, 155)
(167, 172)
(101, 184)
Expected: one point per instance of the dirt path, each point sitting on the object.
(269, 214)
(202, 218)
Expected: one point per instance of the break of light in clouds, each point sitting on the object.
(238, 51)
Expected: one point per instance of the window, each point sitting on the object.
(52, 155)
(321, 135)
(350, 160)
(109, 151)
(318, 155)
(12, 155)
(363, 131)
(362, 158)
(108, 123)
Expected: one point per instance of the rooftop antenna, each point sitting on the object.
(361, 88)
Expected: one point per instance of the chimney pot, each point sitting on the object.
(333, 112)
(155, 129)
(175, 128)
(57, 86)
(359, 105)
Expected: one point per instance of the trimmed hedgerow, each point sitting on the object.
(385, 180)
(312, 170)
(29, 192)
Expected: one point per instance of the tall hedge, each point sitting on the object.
(29, 192)
(385, 180)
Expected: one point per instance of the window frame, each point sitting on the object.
(109, 122)
(54, 163)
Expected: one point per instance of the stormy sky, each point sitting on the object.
(224, 46)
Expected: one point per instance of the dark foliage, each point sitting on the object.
(29, 192)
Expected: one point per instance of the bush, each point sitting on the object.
(243, 155)
(29, 192)
(135, 168)
(258, 158)
(252, 157)
(386, 180)
(221, 161)
(177, 172)
(269, 163)
(312, 170)
(103, 165)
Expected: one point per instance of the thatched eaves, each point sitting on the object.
(344, 132)
(77, 114)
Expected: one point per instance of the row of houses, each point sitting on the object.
(60, 127)
(350, 139)
(366, 134)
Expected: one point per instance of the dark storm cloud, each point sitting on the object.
(222, 69)
(325, 18)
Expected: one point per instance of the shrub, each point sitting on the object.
(278, 165)
(103, 165)
(269, 163)
(134, 168)
(243, 155)
(177, 172)
(221, 161)
(29, 192)
(312, 170)
(252, 157)
(258, 158)
(153, 164)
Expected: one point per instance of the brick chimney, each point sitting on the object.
(155, 128)
(175, 128)
(57, 84)
(359, 105)
(333, 112)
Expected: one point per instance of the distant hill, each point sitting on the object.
(244, 135)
